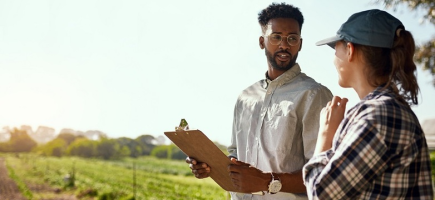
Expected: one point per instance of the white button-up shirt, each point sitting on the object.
(276, 125)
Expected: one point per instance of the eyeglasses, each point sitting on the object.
(292, 39)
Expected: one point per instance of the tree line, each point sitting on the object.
(68, 144)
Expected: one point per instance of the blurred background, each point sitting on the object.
(128, 68)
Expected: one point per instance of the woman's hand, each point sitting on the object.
(330, 118)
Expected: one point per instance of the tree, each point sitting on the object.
(82, 147)
(124, 151)
(425, 53)
(67, 137)
(108, 149)
(20, 141)
(147, 143)
(133, 146)
(4, 147)
(169, 152)
(55, 147)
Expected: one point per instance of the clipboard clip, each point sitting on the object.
(184, 126)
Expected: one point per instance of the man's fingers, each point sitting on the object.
(237, 168)
(233, 168)
(198, 166)
(191, 161)
(201, 175)
(201, 171)
(237, 162)
(235, 177)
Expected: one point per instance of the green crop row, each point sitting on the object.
(143, 178)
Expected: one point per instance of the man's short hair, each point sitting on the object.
(282, 10)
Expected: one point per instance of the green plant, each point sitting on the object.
(103, 179)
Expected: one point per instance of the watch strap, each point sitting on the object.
(258, 193)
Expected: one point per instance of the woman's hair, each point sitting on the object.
(394, 67)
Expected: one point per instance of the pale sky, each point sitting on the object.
(137, 67)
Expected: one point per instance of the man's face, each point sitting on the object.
(281, 56)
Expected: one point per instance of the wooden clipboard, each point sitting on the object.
(196, 144)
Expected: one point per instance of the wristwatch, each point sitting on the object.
(274, 185)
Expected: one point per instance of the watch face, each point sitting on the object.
(275, 186)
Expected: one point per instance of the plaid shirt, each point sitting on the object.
(379, 152)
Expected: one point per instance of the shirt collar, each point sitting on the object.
(285, 77)
(379, 91)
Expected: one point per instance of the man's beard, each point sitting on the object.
(281, 67)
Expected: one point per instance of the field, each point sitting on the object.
(49, 178)
(77, 178)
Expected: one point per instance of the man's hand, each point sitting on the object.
(330, 118)
(200, 170)
(247, 179)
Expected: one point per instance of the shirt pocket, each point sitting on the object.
(279, 133)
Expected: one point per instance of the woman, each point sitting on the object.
(378, 151)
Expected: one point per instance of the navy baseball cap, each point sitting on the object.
(374, 28)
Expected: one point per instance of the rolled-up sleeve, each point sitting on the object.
(345, 172)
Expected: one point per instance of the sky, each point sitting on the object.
(135, 67)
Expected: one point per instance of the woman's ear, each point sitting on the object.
(350, 49)
(261, 42)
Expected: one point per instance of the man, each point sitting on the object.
(276, 119)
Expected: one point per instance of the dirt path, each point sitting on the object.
(8, 188)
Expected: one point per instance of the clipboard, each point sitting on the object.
(196, 144)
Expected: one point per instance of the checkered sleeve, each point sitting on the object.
(379, 151)
(357, 160)
(315, 166)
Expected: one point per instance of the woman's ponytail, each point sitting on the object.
(403, 67)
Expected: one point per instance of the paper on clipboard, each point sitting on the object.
(196, 144)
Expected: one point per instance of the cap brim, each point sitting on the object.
(329, 41)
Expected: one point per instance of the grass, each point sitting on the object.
(154, 178)
(21, 185)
